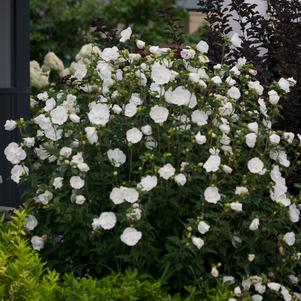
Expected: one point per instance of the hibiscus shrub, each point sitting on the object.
(151, 159)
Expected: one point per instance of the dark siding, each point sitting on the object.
(14, 100)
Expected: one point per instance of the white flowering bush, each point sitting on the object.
(155, 159)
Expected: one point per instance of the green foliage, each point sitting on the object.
(22, 274)
(64, 26)
(61, 26)
(116, 287)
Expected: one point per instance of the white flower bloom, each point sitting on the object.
(200, 139)
(199, 117)
(77, 182)
(293, 279)
(50, 105)
(14, 153)
(77, 159)
(198, 242)
(256, 166)
(43, 96)
(212, 195)
(212, 164)
(140, 44)
(254, 224)
(180, 96)
(147, 130)
(130, 195)
(74, 118)
(251, 140)
(274, 286)
(10, 125)
(110, 54)
(79, 70)
(87, 51)
(217, 80)
(289, 137)
(180, 179)
(59, 115)
(234, 93)
(202, 46)
(253, 127)
(260, 288)
(106, 221)
(158, 89)
(256, 86)
(105, 71)
(257, 297)
(187, 54)
(289, 238)
(58, 182)
(134, 135)
(203, 227)
(227, 169)
(116, 156)
(236, 40)
(251, 257)
(229, 279)
(241, 190)
(135, 213)
(125, 35)
(214, 272)
(42, 153)
(194, 77)
(91, 134)
(52, 62)
(159, 114)
(17, 172)
(99, 114)
(130, 236)
(37, 243)
(273, 97)
(284, 85)
(30, 222)
(148, 183)
(29, 141)
(236, 206)
(44, 198)
(65, 152)
(274, 139)
(160, 74)
(43, 122)
(235, 70)
(294, 213)
(167, 171)
(80, 199)
(116, 109)
(130, 110)
(281, 157)
(241, 62)
(286, 294)
(117, 195)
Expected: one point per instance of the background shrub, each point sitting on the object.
(279, 35)
(64, 26)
